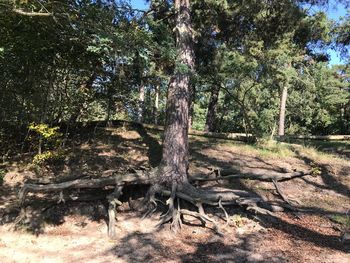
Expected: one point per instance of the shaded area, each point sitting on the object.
(108, 149)
(299, 232)
(341, 148)
(327, 176)
(154, 149)
(137, 247)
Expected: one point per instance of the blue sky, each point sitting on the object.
(139, 4)
(334, 11)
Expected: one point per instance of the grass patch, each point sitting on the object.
(343, 220)
(319, 156)
(270, 149)
(329, 148)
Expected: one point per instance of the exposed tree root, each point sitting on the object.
(225, 212)
(198, 196)
(279, 191)
(140, 177)
(252, 173)
(213, 197)
(172, 213)
(113, 200)
(203, 218)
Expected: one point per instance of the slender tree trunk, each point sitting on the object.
(174, 165)
(156, 105)
(141, 103)
(79, 107)
(342, 114)
(192, 101)
(109, 105)
(282, 116)
(40, 144)
(212, 108)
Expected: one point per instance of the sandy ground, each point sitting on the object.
(81, 240)
(77, 232)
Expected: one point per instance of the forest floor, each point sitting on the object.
(77, 231)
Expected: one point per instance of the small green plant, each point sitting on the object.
(237, 221)
(315, 171)
(48, 157)
(48, 138)
(343, 220)
(48, 134)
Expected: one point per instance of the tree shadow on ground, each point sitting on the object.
(341, 148)
(138, 247)
(154, 149)
(84, 156)
(9, 205)
(300, 232)
(249, 247)
(331, 183)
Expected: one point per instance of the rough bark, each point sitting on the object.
(212, 108)
(282, 115)
(174, 165)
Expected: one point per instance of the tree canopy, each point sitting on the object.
(68, 61)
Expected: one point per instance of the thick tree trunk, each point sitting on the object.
(212, 107)
(174, 165)
(282, 116)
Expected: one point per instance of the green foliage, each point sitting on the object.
(48, 157)
(48, 133)
(315, 171)
(47, 138)
(343, 220)
(342, 36)
(270, 148)
(88, 60)
(237, 220)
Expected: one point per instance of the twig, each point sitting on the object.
(24, 13)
